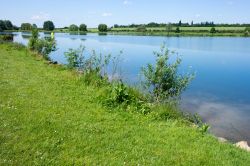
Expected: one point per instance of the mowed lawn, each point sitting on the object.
(48, 116)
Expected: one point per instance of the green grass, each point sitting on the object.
(50, 117)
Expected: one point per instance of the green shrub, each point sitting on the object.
(6, 38)
(203, 127)
(43, 46)
(48, 26)
(213, 30)
(162, 81)
(83, 27)
(177, 30)
(75, 58)
(103, 28)
(73, 27)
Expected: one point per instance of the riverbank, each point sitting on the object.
(50, 116)
(161, 31)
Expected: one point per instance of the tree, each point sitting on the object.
(2, 25)
(103, 28)
(48, 26)
(5, 25)
(213, 30)
(179, 23)
(26, 26)
(116, 26)
(34, 26)
(177, 30)
(73, 27)
(192, 23)
(83, 27)
(8, 25)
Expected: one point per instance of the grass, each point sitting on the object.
(50, 117)
(161, 31)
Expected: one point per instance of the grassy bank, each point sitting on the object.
(162, 31)
(49, 116)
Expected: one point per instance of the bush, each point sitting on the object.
(162, 81)
(75, 58)
(42, 46)
(103, 28)
(83, 27)
(177, 30)
(48, 26)
(213, 30)
(8, 38)
(73, 27)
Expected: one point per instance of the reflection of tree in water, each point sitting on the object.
(102, 34)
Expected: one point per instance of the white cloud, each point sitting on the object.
(40, 16)
(106, 14)
(126, 2)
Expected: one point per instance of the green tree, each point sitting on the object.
(5, 25)
(48, 26)
(162, 80)
(2, 25)
(103, 28)
(34, 26)
(213, 30)
(177, 30)
(179, 23)
(26, 26)
(8, 25)
(73, 27)
(83, 27)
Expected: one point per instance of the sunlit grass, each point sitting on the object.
(50, 117)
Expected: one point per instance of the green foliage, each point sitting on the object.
(177, 30)
(48, 26)
(26, 26)
(73, 27)
(102, 27)
(203, 127)
(141, 29)
(125, 97)
(83, 27)
(162, 80)
(43, 46)
(6, 38)
(247, 31)
(33, 39)
(5, 25)
(34, 26)
(75, 58)
(213, 30)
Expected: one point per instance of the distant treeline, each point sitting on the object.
(202, 24)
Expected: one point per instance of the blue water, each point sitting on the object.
(220, 92)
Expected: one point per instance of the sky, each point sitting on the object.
(93, 12)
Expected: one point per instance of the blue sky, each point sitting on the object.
(93, 12)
